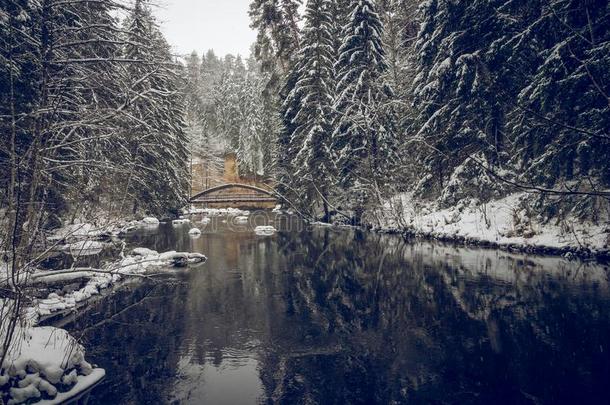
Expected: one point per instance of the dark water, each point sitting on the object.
(340, 316)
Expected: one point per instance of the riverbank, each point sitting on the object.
(505, 224)
(44, 364)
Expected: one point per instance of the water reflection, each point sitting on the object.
(340, 316)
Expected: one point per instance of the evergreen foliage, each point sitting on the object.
(363, 139)
(455, 100)
(561, 123)
(511, 90)
(157, 129)
(310, 138)
(230, 113)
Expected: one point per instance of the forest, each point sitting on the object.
(342, 104)
(355, 102)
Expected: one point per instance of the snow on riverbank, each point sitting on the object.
(88, 231)
(111, 229)
(46, 365)
(217, 212)
(141, 262)
(80, 231)
(83, 248)
(265, 230)
(503, 223)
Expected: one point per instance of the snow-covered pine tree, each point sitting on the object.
(561, 123)
(258, 121)
(291, 100)
(159, 180)
(211, 70)
(278, 33)
(460, 113)
(249, 142)
(270, 126)
(277, 23)
(310, 141)
(73, 69)
(400, 28)
(20, 75)
(340, 11)
(225, 94)
(401, 24)
(195, 109)
(240, 67)
(363, 142)
(193, 76)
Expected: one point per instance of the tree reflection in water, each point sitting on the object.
(342, 316)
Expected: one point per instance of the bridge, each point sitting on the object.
(236, 195)
(221, 186)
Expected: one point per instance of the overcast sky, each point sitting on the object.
(222, 25)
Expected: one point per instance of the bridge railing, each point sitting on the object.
(221, 190)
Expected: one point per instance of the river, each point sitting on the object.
(338, 316)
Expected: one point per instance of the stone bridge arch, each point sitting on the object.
(236, 195)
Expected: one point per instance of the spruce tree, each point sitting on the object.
(461, 116)
(561, 125)
(278, 32)
(311, 137)
(291, 101)
(363, 141)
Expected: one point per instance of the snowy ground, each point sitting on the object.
(46, 365)
(141, 262)
(502, 223)
(216, 212)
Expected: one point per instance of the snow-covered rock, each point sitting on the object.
(150, 221)
(181, 221)
(241, 220)
(193, 211)
(265, 230)
(79, 231)
(144, 252)
(170, 255)
(41, 358)
(195, 258)
(195, 232)
(52, 304)
(21, 395)
(217, 212)
(84, 248)
(129, 227)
